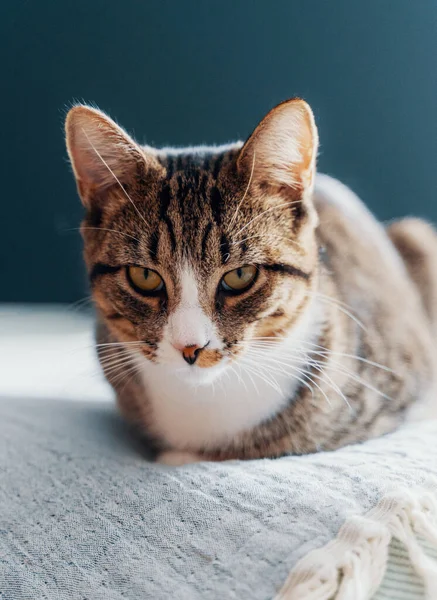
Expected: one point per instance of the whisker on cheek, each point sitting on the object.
(120, 344)
(108, 367)
(132, 370)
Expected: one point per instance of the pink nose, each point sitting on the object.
(190, 353)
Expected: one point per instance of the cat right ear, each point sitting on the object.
(102, 154)
(283, 148)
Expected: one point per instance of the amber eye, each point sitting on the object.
(144, 280)
(239, 279)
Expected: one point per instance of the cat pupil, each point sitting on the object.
(240, 272)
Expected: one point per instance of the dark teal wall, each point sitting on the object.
(200, 71)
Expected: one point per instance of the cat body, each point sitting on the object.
(248, 307)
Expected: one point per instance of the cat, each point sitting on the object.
(247, 306)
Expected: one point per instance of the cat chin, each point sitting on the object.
(191, 376)
(197, 376)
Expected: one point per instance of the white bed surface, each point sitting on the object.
(47, 351)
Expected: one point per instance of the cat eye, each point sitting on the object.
(239, 279)
(144, 281)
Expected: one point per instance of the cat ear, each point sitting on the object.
(102, 153)
(282, 150)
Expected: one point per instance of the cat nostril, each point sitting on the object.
(190, 353)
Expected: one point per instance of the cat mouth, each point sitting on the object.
(199, 376)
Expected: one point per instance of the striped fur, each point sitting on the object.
(331, 343)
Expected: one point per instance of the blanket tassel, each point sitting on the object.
(352, 566)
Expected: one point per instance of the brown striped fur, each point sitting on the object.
(223, 208)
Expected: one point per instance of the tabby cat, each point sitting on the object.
(248, 307)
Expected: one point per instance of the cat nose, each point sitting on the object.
(191, 352)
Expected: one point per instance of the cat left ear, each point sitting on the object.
(102, 154)
(282, 150)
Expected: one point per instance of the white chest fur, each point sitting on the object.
(242, 397)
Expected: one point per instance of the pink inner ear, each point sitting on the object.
(308, 144)
(284, 145)
(98, 148)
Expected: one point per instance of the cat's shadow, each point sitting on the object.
(101, 424)
(128, 435)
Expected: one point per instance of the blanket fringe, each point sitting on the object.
(352, 566)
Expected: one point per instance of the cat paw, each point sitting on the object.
(176, 458)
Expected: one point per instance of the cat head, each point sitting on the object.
(196, 252)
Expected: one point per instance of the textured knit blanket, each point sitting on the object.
(83, 514)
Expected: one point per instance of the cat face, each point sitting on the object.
(195, 253)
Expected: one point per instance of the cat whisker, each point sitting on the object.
(121, 344)
(355, 357)
(339, 306)
(112, 351)
(260, 373)
(244, 195)
(222, 387)
(128, 235)
(76, 306)
(256, 365)
(129, 378)
(228, 372)
(112, 361)
(358, 379)
(311, 377)
(124, 375)
(108, 364)
(331, 383)
(332, 366)
(240, 379)
(113, 231)
(292, 375)
(327, 379)
(320, 366)
(331, 299)
(108, 369)
(327, 352)
(108, 355)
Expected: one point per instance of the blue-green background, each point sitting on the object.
(198, 71)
